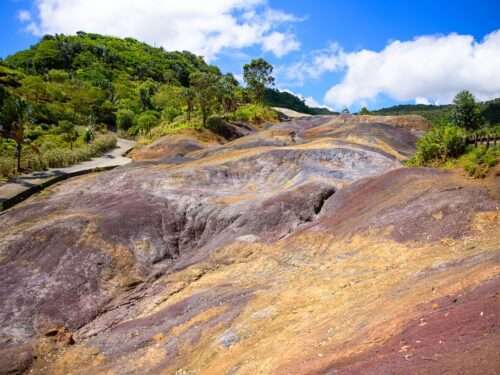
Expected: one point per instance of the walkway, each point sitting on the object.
(21, 187)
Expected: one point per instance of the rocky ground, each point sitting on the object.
(304, 248)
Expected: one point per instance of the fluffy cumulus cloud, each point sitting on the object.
(311, 102)
(314, 65)
(426, 69)
(203, 27)
(280, 43)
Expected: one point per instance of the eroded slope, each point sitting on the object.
(304, 248)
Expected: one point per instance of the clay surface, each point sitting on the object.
(303, 248)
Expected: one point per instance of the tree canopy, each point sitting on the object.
(466, 112)
(258, 75)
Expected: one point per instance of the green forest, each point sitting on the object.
(62, 100)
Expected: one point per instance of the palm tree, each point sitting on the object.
(14, 115)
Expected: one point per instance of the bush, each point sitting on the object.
(215, 123)
(478, 161)
(125, 119)
(145, 122)
(255, 113)
(440, 144)
(169, 114)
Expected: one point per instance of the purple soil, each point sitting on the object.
(419, 205)
(453, 335)
(83, 257)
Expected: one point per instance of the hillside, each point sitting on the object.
(283, 99)
(352, 264)
(489, 109)
(72, 89)
(67, 92)
(77, 76)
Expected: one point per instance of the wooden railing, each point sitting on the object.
(484, 139)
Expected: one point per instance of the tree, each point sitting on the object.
(146, 92)
(345, 111)
(89, 134)
(169, 100)
(364, 111)
(125, 119)
(257, 75)
(227, 86)
(146, 121)
(14, 115)
(466, 112)
(68, 132)
(205, 90)
(189, 97)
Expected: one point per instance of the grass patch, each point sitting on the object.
(180, 125)
(51, 153)
(255, 114)
(477, 161)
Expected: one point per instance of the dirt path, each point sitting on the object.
(21, 187)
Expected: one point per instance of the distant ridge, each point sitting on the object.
(490, 110)
(283, 99)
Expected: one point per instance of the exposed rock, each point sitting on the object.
(254, 256)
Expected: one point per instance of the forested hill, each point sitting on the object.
(489, 109)
(277, 98)
(102, 59)
(89, 70)
(61, 94)
(77, 76)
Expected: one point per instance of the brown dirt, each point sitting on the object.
(265, 255)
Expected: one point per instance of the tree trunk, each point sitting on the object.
(19, 148)
(204, 115)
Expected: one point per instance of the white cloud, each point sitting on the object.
(280, 43)
(311, 102)
(24, 16)
(203, 27)
(430, 67)
(420, 100)
(314, 65)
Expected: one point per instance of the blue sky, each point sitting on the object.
(335, 53)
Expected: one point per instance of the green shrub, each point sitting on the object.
(255, 113)
(478, 160)
(440, 144)
(145, 122)
(125, 119)
(89, 134)
(215, 123)
(170, 113)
